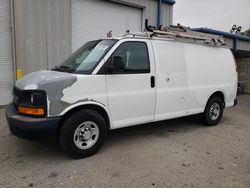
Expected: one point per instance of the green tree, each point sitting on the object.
(247, 32)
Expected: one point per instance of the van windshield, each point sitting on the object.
(86, 58)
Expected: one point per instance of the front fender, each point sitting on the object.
(82, 104)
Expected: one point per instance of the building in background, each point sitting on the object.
(39, 34)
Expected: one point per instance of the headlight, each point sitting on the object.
(32, 103)
(32, 98)
(37, 99)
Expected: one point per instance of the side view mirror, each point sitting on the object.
(116, 65)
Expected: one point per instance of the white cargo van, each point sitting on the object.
(120, 82)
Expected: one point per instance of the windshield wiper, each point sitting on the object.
(62, 69)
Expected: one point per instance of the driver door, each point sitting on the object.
(130, 87)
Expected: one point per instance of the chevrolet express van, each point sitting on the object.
(113, 83)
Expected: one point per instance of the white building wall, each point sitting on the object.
(43, 29)
(102, 20)
(150, 10)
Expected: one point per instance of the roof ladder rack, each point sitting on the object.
(179, 33)
(197, 37)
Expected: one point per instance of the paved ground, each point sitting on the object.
(176, 153)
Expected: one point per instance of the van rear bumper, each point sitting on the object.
(31, 128)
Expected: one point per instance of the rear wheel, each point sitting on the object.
(83, 133)
(213, 111)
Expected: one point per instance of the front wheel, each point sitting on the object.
(213, 111)
(83, 133)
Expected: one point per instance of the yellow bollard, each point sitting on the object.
(19, 74)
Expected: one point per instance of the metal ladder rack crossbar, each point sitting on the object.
(177, 34)
(196, 36)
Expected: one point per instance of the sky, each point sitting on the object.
(216, 14)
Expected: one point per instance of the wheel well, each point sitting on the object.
(218, 94)
(89, 107)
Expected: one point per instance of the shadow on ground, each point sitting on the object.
(51, 148)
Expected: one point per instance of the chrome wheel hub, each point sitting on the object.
(214, 111)
(86, 135)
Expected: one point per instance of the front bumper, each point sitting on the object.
(31, 127)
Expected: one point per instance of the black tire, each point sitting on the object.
(206, 115)
(71, 124)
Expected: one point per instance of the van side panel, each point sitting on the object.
(171, 80)
(210, 69)
(188, 74)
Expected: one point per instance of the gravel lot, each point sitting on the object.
(175, 153)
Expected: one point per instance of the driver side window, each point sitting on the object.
(130, 58)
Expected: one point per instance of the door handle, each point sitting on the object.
(152, 79)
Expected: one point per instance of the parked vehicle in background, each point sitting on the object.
(113, 83)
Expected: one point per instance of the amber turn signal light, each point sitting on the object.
(31, 111)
